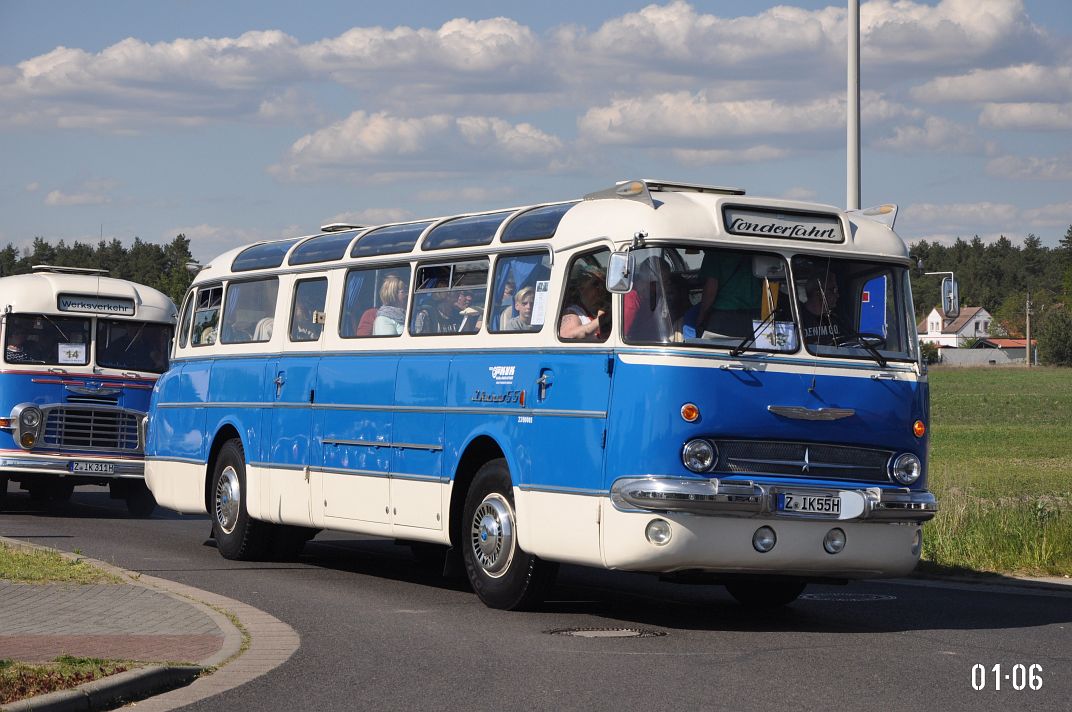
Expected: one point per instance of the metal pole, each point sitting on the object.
(852, 198)
(1028, 330)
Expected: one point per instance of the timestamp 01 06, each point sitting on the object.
(1019, 677)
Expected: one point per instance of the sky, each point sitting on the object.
(233, 122)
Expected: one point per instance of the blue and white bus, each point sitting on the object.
(659, 377)
(81, 354)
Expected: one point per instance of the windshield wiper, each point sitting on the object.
(749, 340)
(864, 342)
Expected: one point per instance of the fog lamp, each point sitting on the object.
(698, 455)
(906, 469)
(658, 532)
(834, 541)
(27, 440)
(764, 540)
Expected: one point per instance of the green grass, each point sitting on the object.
(46, 566)
(21, 680)
(1001, 466)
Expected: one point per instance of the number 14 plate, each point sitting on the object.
(829, 505)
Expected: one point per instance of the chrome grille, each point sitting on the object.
(813, 460)
(94, 428)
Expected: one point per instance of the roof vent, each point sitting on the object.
(69, 270)
(339, 227)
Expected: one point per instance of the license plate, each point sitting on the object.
(94, 468)
(809, 503)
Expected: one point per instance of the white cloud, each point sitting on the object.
(91, 192)
(207, 241)
(946, 222)
(1024, 82)
(371, 216)
(936, 134)
(1058, 215)
(384, 147)
(800, 193)
(713, 156)
(468, 194)
(1027, 116)
(952, 216)
(1049, 168)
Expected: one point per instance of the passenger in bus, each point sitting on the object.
(439, 317)
(731, 294)
(508, 308)
(523, 303)
(17, 350)
(654, 309)
(471, 317)
(820, 322)
(391, 316)
(587, 314)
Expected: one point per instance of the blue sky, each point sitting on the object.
(238, 121)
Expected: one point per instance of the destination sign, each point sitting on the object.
(92, 304)
(784, 225)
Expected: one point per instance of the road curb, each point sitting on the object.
(164, 687)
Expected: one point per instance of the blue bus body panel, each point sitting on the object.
(180, 432)
(421, 385)
(356, 394)
(733, 405)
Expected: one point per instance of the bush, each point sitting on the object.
(929, 350)
(1055, 338)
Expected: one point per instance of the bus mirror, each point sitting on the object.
(950, 298)
(620, 272)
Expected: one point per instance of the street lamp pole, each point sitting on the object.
(852, 197)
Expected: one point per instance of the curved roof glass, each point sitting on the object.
(263, 256)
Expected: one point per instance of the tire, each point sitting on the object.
(765, 595)
(140, 500)
(3, 492)
(238, 537)
(500, 572)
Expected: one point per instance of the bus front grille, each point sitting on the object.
(806, 460)
(91, 428)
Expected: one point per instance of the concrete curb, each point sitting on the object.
(257, 645)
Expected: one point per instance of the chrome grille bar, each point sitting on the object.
(91, 428)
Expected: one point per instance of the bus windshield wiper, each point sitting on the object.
(749, 340)
(858, 340)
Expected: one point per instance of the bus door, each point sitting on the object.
(293, 391)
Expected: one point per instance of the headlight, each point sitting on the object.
(699, 455)
(30, 418)
(906, 468)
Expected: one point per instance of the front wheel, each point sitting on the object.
(760, 594)
(501, 573)
(238, 536)
(140, 501)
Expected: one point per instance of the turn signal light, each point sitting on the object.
(5, 422)
(690, 413)
(919, 429)
(28, 440)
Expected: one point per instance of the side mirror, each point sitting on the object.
(950, 298)
(620, 272)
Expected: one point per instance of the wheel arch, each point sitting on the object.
(227, 431)
(477, 452)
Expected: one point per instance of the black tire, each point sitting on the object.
(3, 491)
(764, 595)
(39, 490)
(140, 500)
(500, 572)
(238, 537)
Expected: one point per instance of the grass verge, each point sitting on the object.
(45, 566)
(20, 680)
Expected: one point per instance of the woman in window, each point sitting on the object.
(391, 316)
(587, 315)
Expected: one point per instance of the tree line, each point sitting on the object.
(162, 267)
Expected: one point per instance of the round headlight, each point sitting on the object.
(764, 540)
(658, 532)
(699, 455)
(30, 418)
(834, 541)
(906, 468)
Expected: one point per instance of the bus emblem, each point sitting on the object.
(503, 375)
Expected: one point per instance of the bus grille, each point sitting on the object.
(95, 428)
(808, 460)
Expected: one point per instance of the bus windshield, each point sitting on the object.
(741, 300)
(133, 345)
(48, 340)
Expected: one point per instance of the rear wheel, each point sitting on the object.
(502, 574)
(758, 594)
(237, 535)
(140, 500)
(3, 491)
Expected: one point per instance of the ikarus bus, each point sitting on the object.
(659, 377)
(81, 354)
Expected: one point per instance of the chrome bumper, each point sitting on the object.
(60, 467)
(749, 499)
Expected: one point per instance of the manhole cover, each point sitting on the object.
(848, 597)
(608, 632)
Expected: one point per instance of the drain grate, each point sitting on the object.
(848, 597)
(607, 632)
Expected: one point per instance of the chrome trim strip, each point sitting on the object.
(584, 492)
(356, 443)
(802, 413)
(453, 410)
(182, 460)
(417, 446)
(381, 475)
(804, 465)
(121, 469)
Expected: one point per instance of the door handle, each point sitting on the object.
(280, 379)
(547, 377)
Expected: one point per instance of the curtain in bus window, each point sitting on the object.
(355, 281)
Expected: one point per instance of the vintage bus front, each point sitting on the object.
(81, 354)
(769, 415)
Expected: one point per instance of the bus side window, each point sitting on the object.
(184, 324)
(586, 309)
(307, 312)
(374, 302)
(519, 293)
(250, 306)
(450, 298)
(206, 315)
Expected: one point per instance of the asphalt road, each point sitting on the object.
(379, 631)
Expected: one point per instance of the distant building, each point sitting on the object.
(1015, 349)
(973, 323)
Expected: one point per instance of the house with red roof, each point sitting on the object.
(973, 323)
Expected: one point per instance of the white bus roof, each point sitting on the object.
(60, 292)
(663, 210)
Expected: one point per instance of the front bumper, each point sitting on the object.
(46, 465)
(751, 499)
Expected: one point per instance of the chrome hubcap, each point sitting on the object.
(228, 497)
(492, 535)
